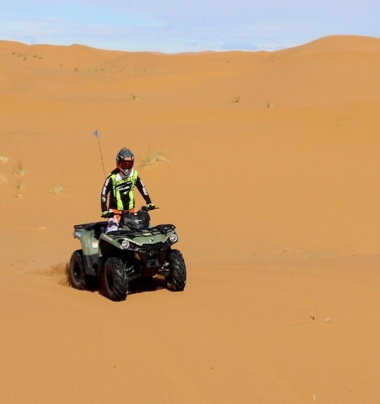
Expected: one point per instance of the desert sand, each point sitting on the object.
(271, 179)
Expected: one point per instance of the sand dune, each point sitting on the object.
(271, 182)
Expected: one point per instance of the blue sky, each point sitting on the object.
(171, 26)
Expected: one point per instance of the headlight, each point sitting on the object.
(125, 243)
(173, 238)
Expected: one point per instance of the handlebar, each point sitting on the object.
(147, 208)
(124, 212)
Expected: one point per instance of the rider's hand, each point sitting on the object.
(105, 214)
(151, 206)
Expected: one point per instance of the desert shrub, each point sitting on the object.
(152, 157)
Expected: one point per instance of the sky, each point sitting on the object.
(171, 26)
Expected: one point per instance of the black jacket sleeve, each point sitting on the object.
(104, 193)
(141, 187)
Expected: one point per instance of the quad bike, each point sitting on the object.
(136, 250)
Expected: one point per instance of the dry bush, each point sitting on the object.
(20, 185)
(19, 169)
(56, 189)
(153, 156)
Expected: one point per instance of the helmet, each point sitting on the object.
(125, 160)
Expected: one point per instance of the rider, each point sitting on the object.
(119, 186)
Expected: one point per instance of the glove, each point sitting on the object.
(105, 214)
(151, 206)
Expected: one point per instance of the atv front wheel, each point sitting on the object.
(114, 279)
(77, 275)
(176, 280)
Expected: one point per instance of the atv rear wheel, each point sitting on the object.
(176, 280)
(77, 275)
(114, 279)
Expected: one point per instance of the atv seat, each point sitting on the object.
(99, 228)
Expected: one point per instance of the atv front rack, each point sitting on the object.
(100, 227)
(149, 231)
